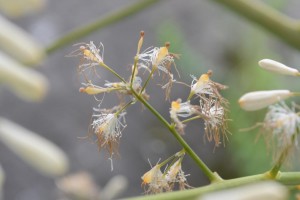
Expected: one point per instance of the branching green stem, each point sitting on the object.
(101, 23)
(191, 119)
(148, 79)
(167, 160)
(284, 27)
(287, 178)
(213, 177)
(182, 152)
(124, 107)
(112, 71)
(275, 169)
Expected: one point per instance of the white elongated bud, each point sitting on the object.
(19, 44)
(257, 191)
(260, 99)
(40, 153)
(277, 67)
(25, 82)
(18, 8)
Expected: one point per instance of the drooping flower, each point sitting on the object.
(107, 126)
(212, 106)
(215, 121)
(200, 86)
(91, 56)
(206, 89)
(158, 58)
(154, 181)
(92, 89)
(260, 99)
(175, 174)
(157, 181)
(277, 67)
(161, 58)
(90, 52)
(179, 109)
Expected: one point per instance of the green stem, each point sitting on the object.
(213, 177)
(191, 119)
(99, 24)
(124, 107)
(275, 169)
(180, 158)
(134, 69)
(166, 161)
(296, 94)
(284, 27)
(148, 79)
(287, 178)
(112, 71)
(190, 95)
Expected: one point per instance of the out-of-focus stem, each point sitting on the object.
(284, 27)
(101, 23)
(275, 169)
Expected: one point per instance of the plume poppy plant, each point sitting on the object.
(108, 124)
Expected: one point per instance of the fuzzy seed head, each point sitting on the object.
(108, 127)
(283, 124)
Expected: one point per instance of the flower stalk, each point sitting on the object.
(112, 71)
(213, 177)
(282, 158)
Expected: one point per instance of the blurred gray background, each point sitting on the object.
(206, 34)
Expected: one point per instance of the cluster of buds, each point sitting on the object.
(281, 123)
(211, 108)
(155, 181)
